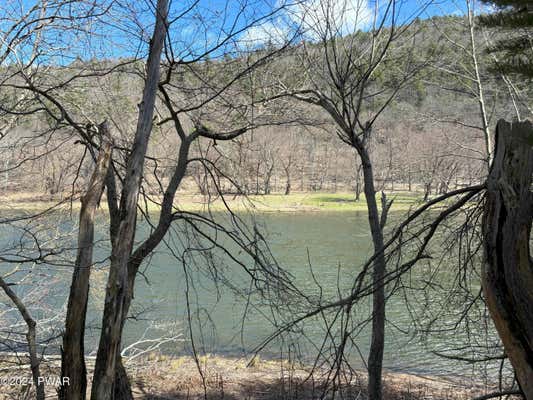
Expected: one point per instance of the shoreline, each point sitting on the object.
(162, 377)
(271, 203)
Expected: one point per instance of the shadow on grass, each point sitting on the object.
(331, 199)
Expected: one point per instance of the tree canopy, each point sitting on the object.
(516, 49)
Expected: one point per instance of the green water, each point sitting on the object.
(326, 241)
(334, 245)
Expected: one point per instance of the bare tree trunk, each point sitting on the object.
(375, 357)
(427, 191)
(409, 179)
(122, 387)
(30, 337)
(358, 181)
(268, 177)
(117, 285)
(73, 353)
(257, 174)
(508, 270)
(287, 170)
(336, 172)
(479, 86)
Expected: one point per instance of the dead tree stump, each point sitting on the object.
(508, 270)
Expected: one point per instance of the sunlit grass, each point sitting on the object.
(294, 202)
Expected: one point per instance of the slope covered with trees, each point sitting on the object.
(423, 150)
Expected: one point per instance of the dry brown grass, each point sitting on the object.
(233, 379)
(162, 378)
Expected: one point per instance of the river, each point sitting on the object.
(333, 244)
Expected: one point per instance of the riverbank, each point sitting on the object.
(294, 202)
(162, 378)
(238, 378)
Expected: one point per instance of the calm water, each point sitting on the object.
(334, 244)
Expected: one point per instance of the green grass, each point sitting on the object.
(299, 202)
(346, 201)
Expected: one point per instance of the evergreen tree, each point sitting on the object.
(515, 50)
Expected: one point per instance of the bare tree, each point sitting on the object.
(31, 338)
(122, 239)
(479, 85)
(31, 243)
(343, 85)
(56, 95)
(73, 353)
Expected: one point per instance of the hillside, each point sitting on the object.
(418, 143)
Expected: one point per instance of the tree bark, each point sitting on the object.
(288, 184)
(73, 350)
(375, 357)
(103, 387)
(358, 181)
(427, 191)
(122, 387)
(508, 271)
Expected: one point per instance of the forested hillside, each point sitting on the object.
(430, 139)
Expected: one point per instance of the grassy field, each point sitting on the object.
(295, 202)
(326, 202)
